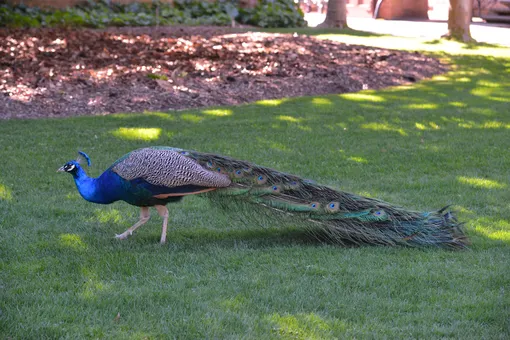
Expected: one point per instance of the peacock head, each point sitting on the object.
(74, 165)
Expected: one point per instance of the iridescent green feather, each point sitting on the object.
(342, 216)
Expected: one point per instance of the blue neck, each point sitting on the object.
(93, 189)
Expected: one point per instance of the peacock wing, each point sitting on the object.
(168, 168)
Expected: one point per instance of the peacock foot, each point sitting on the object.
(144, 217)
(124, 235)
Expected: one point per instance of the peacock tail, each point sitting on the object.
(343, 217)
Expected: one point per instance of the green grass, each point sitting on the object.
(441, 141)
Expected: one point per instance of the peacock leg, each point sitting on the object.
(163, 212)
(144, 217)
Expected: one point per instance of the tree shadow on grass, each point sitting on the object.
(255, 237)
(466, 45)
(260, 238)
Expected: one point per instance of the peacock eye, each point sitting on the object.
(378, 213)
(69, 167)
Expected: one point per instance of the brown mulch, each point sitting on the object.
(55, 73)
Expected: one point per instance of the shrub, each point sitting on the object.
(97, 14)
(277, 13)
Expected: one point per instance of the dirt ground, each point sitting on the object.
(56, 73)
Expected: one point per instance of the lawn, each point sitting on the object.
(437, 142)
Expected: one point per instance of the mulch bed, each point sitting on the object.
(57, 73)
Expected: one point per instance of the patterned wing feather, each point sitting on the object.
(166, 167)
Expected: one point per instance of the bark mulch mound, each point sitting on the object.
(56, 73)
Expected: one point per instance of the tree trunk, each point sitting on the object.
(459, 19)
(336, 15)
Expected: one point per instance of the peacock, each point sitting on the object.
(156, 176)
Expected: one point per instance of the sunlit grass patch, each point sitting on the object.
(146, 134)
(420, 126)
(321, 101)
(357, 159)
(271, 102)
(105, 215)
(489, 93)
(501, 235)
(289, 119)
(72, 241)
(457, 104)
(192, 118)
(302, 326)
(481, 182)
(422, 106)
(363, 96)
(427, 126)
(493, 229)
(383, 127)
(217, 112)
(93, 285)
(5, 193)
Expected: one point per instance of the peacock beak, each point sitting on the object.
(61, 169)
